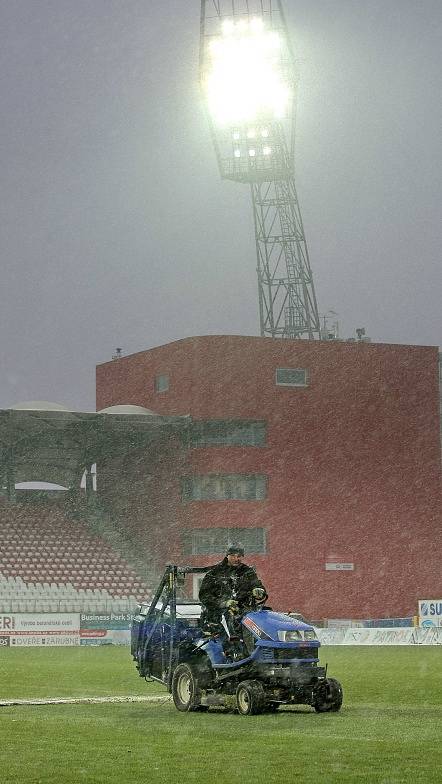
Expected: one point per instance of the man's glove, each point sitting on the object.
(258, 594)
(232, 606)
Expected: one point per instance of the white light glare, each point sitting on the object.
(236, 136)
(257, 24)
(267, 150)
(237, 153)
(228, 27)
(252, 153)
(244, 79)
(265, 133)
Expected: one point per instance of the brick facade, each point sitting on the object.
(352, 459)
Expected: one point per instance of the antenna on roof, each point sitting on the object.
(118, 353)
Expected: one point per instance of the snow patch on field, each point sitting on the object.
(83, 700)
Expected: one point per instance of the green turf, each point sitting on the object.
(388, 731)
(89, 671)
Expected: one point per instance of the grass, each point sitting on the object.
(89, 671)
(387, 732)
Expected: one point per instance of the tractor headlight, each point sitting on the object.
(310, 634)
(289, 636)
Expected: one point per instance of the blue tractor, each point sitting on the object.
(258, 662)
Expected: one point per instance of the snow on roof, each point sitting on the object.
(127, 409)
(40, 405)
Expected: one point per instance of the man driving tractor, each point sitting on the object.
(231, 586)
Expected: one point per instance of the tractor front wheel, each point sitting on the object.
(250, 698)
(185, 689)
(328, 697)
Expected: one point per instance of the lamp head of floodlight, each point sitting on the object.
(245, 77)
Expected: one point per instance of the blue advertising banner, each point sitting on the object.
(105, 628)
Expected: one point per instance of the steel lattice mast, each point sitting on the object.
(246, 44)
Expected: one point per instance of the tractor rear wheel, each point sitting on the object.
(186, 693)
(328, 697)
(250, 698)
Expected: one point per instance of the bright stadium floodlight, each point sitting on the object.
(247, 79)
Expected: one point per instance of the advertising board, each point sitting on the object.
(384, 636)
(105, 628)
(39, 629)
(430, 613)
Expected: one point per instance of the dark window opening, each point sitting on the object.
(224, 487)
(161, 383)
(292, 377)
(224, 432)
(206, 541)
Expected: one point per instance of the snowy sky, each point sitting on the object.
(116, 229)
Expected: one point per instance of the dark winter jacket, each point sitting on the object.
(224, 582)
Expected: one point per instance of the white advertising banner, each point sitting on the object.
(393, 636)
(430, 613)
(39, 629)
(44, 640)
(331, 636)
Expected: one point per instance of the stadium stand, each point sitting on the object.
(51, 563)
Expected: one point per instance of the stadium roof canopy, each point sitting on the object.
(46, 442)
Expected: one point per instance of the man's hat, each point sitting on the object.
(235, 549)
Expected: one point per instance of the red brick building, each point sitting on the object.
(322, 458)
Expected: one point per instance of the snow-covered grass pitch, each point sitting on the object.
(388, 730)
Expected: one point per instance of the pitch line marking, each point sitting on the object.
(82, 700)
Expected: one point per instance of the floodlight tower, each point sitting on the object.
(247, 77)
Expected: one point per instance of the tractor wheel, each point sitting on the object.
(328, 697)
(185, 689)
(250, 698)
